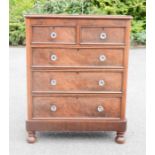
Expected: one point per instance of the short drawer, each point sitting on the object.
(45, 57)
(102, 35)
(46, 107)
(76, 81)
(54, 34)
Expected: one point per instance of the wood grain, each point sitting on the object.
(28, 68)
(77, 71)
(73, 17)
(125, 75)
(76, 81)
(64, 34)
(77, 57)
(85, 125)
(91, 35)
(76, 107)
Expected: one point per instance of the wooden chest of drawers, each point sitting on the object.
(77, 73)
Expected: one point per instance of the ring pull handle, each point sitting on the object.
(53, 108)
(100, 108)
(53, 57)
(101, 83)
(102, 57)
(103, 35)
(53, 82)
(53, 35)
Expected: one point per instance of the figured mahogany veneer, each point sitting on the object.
(76, 107)
(77, 73)
(90, 35)
(76, 81)
(42, 34)
(77, 57)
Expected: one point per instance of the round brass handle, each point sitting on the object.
(53, 108)
(53, 82)
(101, 82)
(53, 57)
(102, 57)
(103, 35)
(53, 35)
(100, 108)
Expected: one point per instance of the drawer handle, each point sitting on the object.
(102, 57)
(53, 35)
(53, 82)
(100, 108)
(53, 108)
(103, 35)
(53, 57)
(101, 82)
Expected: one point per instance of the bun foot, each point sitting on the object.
(31, 137)
(120, 139)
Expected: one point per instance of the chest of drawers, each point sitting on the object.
(77, 73)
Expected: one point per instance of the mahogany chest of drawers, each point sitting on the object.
(77, 73)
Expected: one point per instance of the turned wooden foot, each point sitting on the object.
(31, 137)
(120, 139)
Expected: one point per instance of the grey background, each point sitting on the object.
(78, 143)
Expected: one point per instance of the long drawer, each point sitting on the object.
(59, 57)
(48, 107)
(77, 80)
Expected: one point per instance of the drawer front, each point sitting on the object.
(76, 81)
(77, 57)
(53, 34)
(76, 107)
(102, 35)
